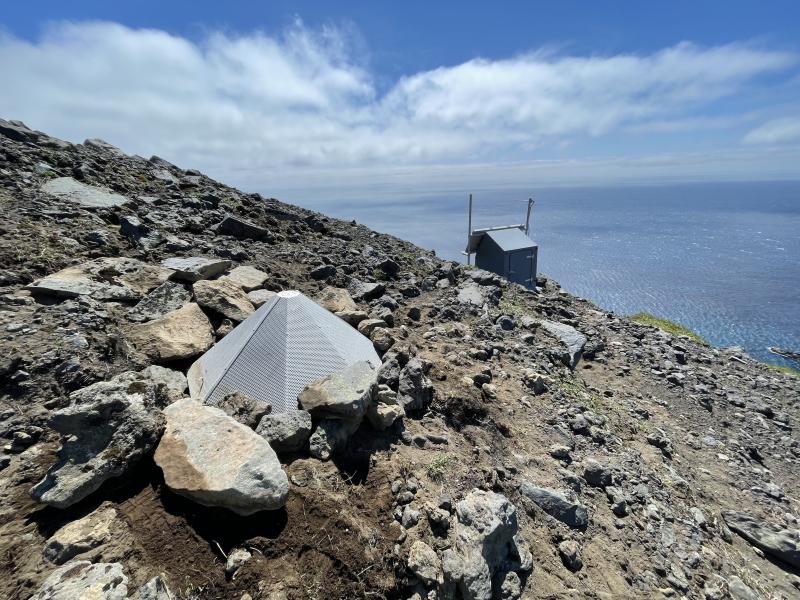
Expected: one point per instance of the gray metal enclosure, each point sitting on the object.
(507, 252)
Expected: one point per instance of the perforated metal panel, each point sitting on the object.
(282, 347)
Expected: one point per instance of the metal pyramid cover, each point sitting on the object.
(286, 344)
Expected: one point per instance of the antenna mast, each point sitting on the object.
(469, 227)
(528, 216)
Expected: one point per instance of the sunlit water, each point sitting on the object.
(721, 259)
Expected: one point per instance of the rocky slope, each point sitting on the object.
(545, 448)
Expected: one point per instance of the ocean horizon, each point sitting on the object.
(722, 259)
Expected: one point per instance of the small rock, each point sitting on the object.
(286, 431)
(236, 560)
(557, 505)
(248, 411)
(570, 555)
(243, 230)
(424, 563)
(596, 475)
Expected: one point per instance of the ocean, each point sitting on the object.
(720, 259)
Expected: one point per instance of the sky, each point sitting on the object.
(377, 100)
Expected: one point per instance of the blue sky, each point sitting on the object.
(369, 99)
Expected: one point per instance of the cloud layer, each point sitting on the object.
(254, 107)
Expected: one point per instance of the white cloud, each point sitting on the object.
(777, 131)
(255, 108)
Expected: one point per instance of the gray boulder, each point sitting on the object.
(81, 535)
(173, 381)
(225, 297)
(108, 428)
(571, 338)
(67, 188)
(486, 546)
(195, 268)
(114, 278)
(424, 563)
(259, 298)
(344, 395)
(241, 229)
(471, 294)
(155, 589)
(557, 505)
(286, 431)
(414, 390)
(783, 544)
(597, 474)
(213, 460)
(366, 291)
(179, 334)
(330, 435)
(165, 298)
(82, 580)
(246, 277)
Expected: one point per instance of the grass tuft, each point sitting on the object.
(784, 369)
(438, 467)
(644, 318)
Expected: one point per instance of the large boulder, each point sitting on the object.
(243, 230)
(471, 294)
(213, 460)
(167, 297)
(486, 546)
(246, 277)
(81, 536)
(557, 505)
(110, 278)
(781, 543)
(344, 395)
(179, 334)
(415, 390)
(259, 298)
(572, 339)
(108, 428)
(67, 188)
(82, 580)
(195, 268)
(286, 431)
(225, 297)
(360, 290)
(336, 300)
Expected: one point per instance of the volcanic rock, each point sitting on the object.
(195, 268)
(213, 460)
(179, 334)
(106, 431)
(224, 297)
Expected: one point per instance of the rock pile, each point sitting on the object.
(635, 464)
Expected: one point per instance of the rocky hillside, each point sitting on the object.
(513, 444)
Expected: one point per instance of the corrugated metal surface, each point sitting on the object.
(285, 345)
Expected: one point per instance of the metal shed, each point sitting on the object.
(506, 251)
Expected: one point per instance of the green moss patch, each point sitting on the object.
(644, 318)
